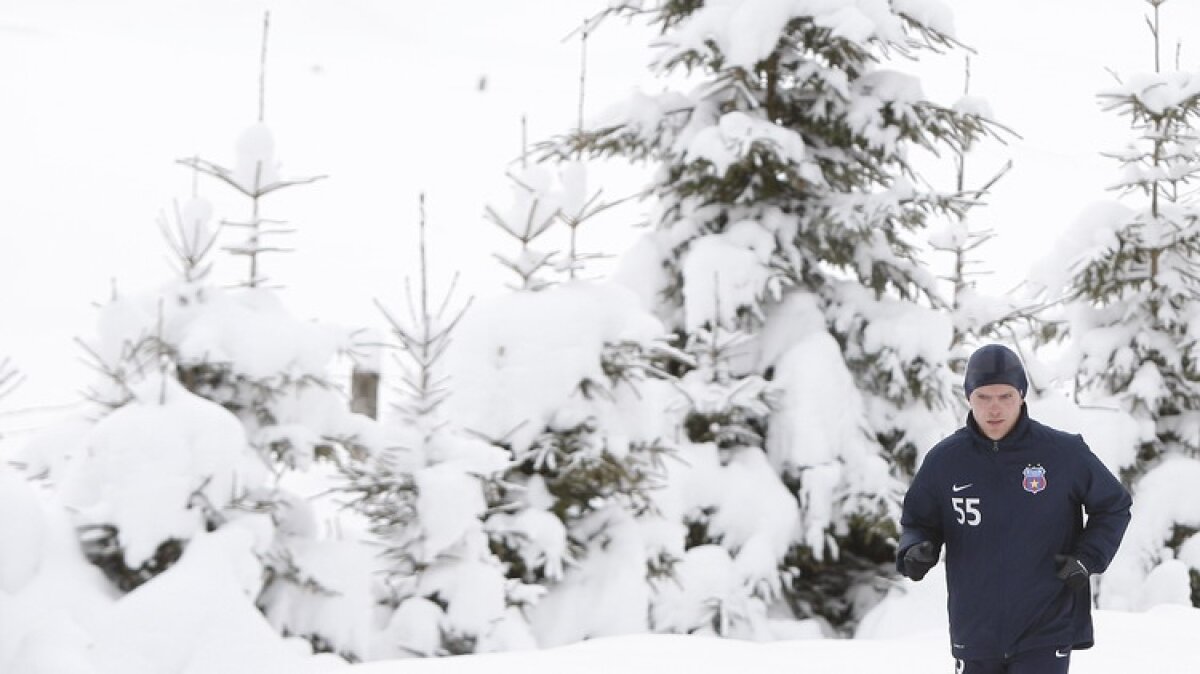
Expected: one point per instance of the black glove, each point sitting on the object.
(919, 559)
(1072, 571)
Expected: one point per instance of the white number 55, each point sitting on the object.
(966, 510)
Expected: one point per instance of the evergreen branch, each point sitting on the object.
(931, 39)
(282, 564)
(278, 230)
(132, 352)
(987, 186)
(501, 441)
(446, 300)
(601, 206)
(190, 250)
(226, 176)
(10, 377)
(280, 184)
(259, 222)
(250, 249)
(209, 168)
(411, 302)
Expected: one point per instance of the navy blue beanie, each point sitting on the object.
(994, 364)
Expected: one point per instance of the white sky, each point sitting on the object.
(383, 96)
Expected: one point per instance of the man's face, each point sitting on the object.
(996, 408)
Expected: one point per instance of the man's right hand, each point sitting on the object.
(919, 559)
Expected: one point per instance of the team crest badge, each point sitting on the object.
(1035, 479)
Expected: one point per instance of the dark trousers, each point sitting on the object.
(1038, 661)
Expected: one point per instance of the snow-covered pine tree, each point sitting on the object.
(786, 208)
(253, 392)
(137, 397)
(229, 396)
(191, 363)
(426, 501)
(1132, 305)
(739, 517)
(566, 378)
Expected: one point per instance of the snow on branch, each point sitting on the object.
(252, 189)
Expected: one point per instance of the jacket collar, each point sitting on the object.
(1010, 440)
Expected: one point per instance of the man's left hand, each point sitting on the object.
(1072, 571)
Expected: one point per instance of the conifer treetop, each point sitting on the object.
(793, 120)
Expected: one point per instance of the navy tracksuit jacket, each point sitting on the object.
(1004, 509)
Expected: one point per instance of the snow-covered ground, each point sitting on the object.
(1160, 641)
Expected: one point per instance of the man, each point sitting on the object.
(1006, 495)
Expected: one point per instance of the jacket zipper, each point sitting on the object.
(1003, 607)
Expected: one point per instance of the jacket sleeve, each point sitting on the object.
(1107, 505)
(920, 519)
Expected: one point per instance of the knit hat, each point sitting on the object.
(994, 364)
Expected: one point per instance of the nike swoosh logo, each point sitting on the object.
(1059, 654)
(960, 487)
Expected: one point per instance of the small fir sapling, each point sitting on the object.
(577, 206)
(426, 501)
(255, 175)
(533, 210)
(545, 196)
(976, 316)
